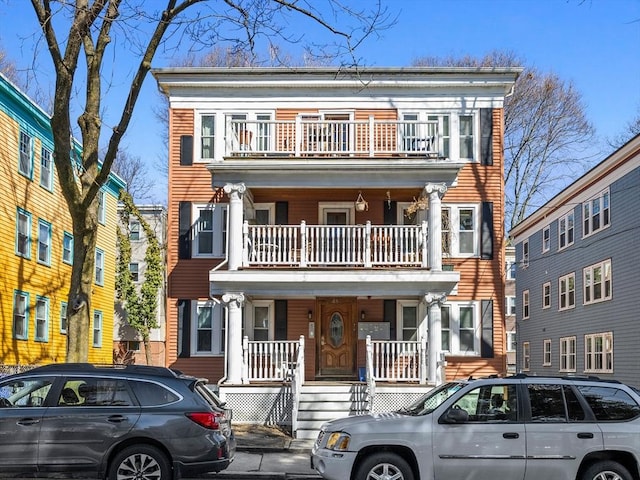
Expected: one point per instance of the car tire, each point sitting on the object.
(141, 462)
(384, 465)
(606, 470)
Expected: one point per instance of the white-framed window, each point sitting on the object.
(264, 213)
(526, 356)
(525, 253)
(134, 230)
(566, 228)
(210, 230)
(42, 319)
(262, 321)
(460, 327)
(595, 214)
(99, 268)
(409, 321)
(567, 291)
(63, 318)
(510, 304)
(206, 128)
(546, 352)
(264, 132)
(44, 242)
(466, 137)
(597, 282)
(132, 345)
(97, 328)
(511, 342)
(67, 248)
(525, 304)
(460, 230)
(25, 160)
(598, 353)
(568, 354)
(511, 267)
(546, 295)
(444, 134)
(207, 327)
(546, 239)
(134, 268)
(46, 169)
(102, 207)
(20, 315)
(23, 233)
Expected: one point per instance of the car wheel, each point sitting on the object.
(384, 466)
(606, 470)
(140, 462)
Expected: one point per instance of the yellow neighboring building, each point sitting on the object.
(36, 243)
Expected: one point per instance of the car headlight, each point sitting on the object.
(338, 441)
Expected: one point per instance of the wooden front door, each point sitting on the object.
(337, 337)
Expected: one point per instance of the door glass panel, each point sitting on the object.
(336, 330)
(336, 218)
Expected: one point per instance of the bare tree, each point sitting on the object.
(8, 67)
(630, 130)
(135, 173)
(81, 38)
(547, 137)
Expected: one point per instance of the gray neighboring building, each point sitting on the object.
(578, 257)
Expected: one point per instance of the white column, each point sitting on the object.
(234, 240)
(234, 303)
(434, 348)
(435, 191)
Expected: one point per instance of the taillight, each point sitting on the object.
(210, 420)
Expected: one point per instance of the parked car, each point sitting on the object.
(510, 428)
(133, 422)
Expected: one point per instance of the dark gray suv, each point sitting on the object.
(134, 422)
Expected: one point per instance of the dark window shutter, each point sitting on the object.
(390, 212)
(390, 316)
(186, 149)
(280, 330)
(184, 234)
(184, 326)
(282, 213)
(486, 136)
(486, 341)
(487, 233)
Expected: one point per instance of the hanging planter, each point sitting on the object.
(361, 204)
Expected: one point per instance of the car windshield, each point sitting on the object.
(433, 399)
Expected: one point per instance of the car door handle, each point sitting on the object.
(511, 435)
(585, 435)
(117, 419)
(28, 421)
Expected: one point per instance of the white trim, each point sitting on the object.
(341, 207)
(250, 320)
(216, 328)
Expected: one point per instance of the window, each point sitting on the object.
(97, 328)
(598, 353)
(568, 354)
(567, 291)
(265, 213)
(554, 403)
(25, 163)
(132, 345)
(595, 214)
(444, 133)
(511, 341)
(44, 242)
(459, 323)
(263, 133)
(546, 239)
(133, 269)
(208, 336)
(46, 169)
(42, 319)
(609, 403)
(490, 403)
(466, 136)
(525, 304)
(525, 253)
(565, 230)
(207, 136)
(546, 295)
(210, 230)
(460, 230)
(511, 269)
(597, 282)
(67, 248)
(526, 356)
(262, 328)
(134, 231)
(409, 321)
(20, 315)
(510, 305)
(445, 328)
(102, 207)
(99, 269)
(63, 317)
(546, 352)
(23, 234)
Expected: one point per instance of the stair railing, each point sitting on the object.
(371, 382)
(297, 380)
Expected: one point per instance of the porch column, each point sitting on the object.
(435, 366)
(234, 303)
(435, 191)
(235, 192)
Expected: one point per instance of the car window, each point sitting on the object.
(95, 392)
(25, 392)
(209, 396)
(609, 403)
(151, 394)
(554, 403)
(490, 403)
(432, 400)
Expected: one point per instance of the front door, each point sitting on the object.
(337, 338)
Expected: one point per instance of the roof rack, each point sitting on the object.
(142, 369)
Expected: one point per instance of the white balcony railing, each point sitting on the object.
(336, 245)
(311, 137)
(271, 360)
(397, 361)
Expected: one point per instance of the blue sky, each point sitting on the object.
(593, 43)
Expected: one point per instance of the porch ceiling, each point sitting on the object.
(311, 283)
(334, 172)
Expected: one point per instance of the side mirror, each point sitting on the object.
(456, 415)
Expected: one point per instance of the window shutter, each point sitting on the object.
(486, 232)
(184, 226)
(282, 213)
(184, 328)
(390, 212)
(486, 341)
(186, 149)
(280, 315)
(486, 136)
(390, 317)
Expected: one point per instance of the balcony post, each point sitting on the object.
(434, 303)
(235, 191)
(367, 244)
(234, 354)
(435, 191)
(372, 136)
(304, 242)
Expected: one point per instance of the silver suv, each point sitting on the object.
(130, 423)
(531, 428)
